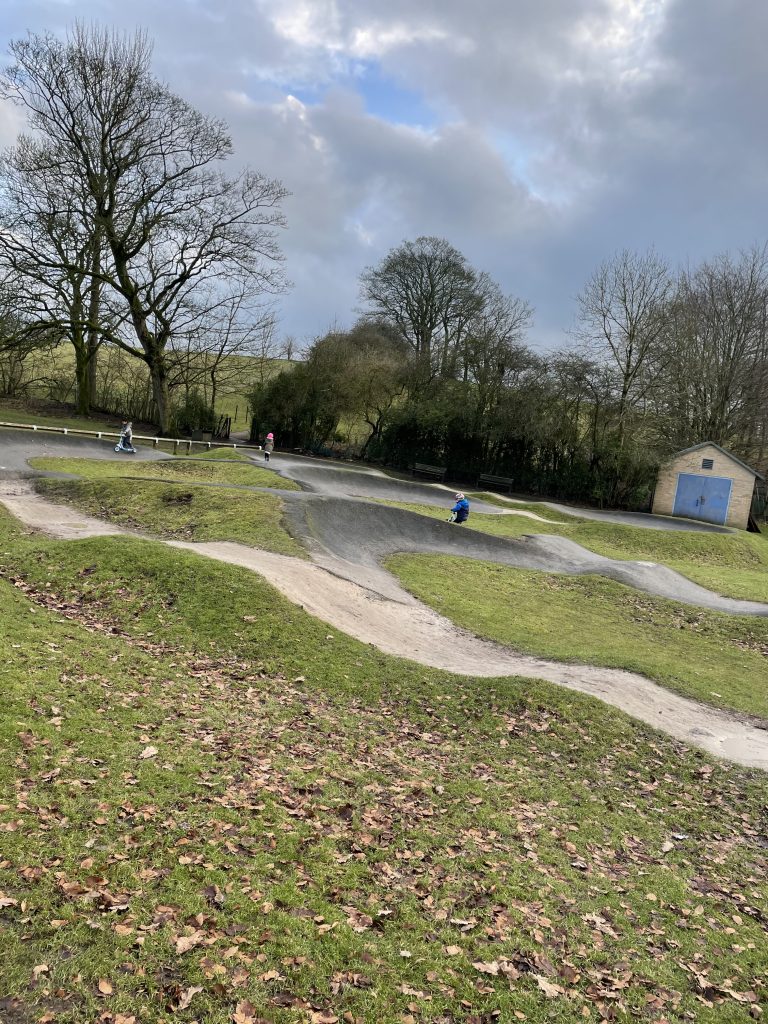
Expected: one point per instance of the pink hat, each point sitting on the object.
(270, 436)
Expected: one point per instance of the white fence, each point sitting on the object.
(156, 441)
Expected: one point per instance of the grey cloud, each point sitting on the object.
(556, 138)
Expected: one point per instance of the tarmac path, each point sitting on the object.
(353, 593)
(340, 480)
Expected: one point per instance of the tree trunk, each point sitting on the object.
(81, 376)
(159, 374)
(214, 388)
(93, 315)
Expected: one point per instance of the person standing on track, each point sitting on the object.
(269, 445)
(460, 511)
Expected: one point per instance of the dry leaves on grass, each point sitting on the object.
(246, 1013)
(245, 772)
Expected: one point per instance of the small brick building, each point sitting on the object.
(706, 482)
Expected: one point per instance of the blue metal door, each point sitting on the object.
(703, 497)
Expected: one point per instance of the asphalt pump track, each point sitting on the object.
(376, 610)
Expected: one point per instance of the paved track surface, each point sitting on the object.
(351, 537)
(356, 536)
(17, 446)
(348, 588)
(337, 480)
(410, 630)
(643, 519)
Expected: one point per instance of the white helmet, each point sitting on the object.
(459, 496)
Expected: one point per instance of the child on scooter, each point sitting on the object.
(126, 438)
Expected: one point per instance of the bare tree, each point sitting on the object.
(50, 242)
(288, 348)
(623, 313)
(231, 342)
(147, 161)
(714, 384)
(427, 291)
(20, 348)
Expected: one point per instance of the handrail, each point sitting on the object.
(176, 441)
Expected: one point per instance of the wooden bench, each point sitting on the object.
(436, 472)
(495, 481)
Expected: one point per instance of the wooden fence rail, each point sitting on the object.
(156, 441)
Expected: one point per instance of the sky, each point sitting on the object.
(538, 136)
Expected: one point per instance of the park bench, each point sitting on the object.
(495, 481)
(436, 472)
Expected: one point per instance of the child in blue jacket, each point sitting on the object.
(460, 511)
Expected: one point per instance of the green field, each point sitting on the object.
(15, 412)
(216, 808)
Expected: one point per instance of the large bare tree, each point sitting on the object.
(49, 241)
(427, 291)
(149, 165)
(714, 383)
(623, 314)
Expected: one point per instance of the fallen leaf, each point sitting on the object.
(356, 920)
(188, 995)
(549, 990)
(487, 968)
(246, 1013)
(148, 752)
(452, 950)
(186, 942)
(105, 987)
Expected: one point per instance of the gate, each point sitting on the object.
(703, 497)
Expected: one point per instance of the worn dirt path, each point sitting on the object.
(408, 629)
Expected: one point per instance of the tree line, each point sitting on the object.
(119, 226)
(438, 370)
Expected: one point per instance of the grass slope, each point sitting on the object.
(181, 513)
(719, 659)
(214, 807)
(221, 469)
(733, 564)
(16, 412)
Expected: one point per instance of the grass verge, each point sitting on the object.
(735, 565)
(214, 807)
(180, 513)
(718, 659)
(223, 470)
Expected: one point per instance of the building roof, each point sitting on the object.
(728, 455)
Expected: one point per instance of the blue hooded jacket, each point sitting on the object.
(461, 508)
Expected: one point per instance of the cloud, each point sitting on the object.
(537, 138)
